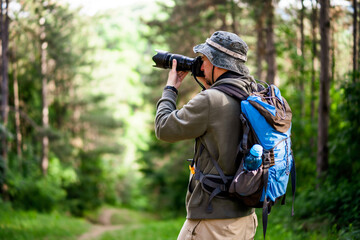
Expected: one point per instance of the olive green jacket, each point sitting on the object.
(213, 117)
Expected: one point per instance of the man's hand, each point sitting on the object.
(175, 78)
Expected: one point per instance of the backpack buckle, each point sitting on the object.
(266, 159)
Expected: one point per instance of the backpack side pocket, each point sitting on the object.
(247, 185)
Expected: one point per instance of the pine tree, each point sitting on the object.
(324, 108)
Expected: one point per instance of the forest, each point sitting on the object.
(78, 94)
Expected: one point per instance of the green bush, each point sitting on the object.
(338, 204)
(95, 185)
(40, 194)
(34, 191)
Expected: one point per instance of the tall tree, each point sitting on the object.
(302, 61)
(260, 16)
(260, 42)
(355, 57)
(270, 42)
(323, 120)
(357, 20)
(45, 107)
(314, 53)
(16, 103)
(4, 22)
(234, 24)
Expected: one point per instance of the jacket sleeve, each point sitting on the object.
(189, 122)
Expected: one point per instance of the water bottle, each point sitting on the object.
(253, 160)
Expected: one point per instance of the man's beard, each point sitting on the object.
(208, 82)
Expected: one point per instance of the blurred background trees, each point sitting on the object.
(78, 97)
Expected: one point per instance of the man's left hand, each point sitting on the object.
(175, 78)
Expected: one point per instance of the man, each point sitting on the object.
(212, 118)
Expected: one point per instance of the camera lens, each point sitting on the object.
(164, 60)
(183, 63)
(161, 59)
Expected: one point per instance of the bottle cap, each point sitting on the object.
(256, 150)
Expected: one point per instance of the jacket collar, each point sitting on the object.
(228, 74)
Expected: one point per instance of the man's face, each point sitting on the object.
(207, 67)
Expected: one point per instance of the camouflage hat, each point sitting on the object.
(225, 50)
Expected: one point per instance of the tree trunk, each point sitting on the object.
(4, 71)
(260, 44)
(233, 16)
(333, 46)
(358, 41)
(314, 20)
(270, 43)
(302, 63)
(355, 22)
(17, 108)
(222, 17)
(45, 109)
(4, 22)
(323, 121)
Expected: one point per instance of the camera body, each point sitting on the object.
(164, 60)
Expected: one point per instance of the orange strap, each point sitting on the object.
(192, 169)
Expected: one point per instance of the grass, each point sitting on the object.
(157, 230)
(31, 225)
(131, 217)
(282, 226)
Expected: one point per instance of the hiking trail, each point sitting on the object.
(103, 225)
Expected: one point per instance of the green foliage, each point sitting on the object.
(336, 201)
(281, 225)
(83, 128)
(166, 174)
(346, 130)
(37, 192)
(31, 225)
(94, 186)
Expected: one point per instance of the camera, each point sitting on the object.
(164, 60)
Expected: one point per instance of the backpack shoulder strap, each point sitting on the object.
(217, 187)
(240, 95)
(232, 91)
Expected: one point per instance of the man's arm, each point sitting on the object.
(189, 122)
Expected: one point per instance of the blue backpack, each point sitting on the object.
(266, 119)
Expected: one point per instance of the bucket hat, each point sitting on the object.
(225, 50)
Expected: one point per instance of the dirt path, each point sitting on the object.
(103, 226)
(97, 230)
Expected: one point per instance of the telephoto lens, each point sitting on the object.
(164, 60)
